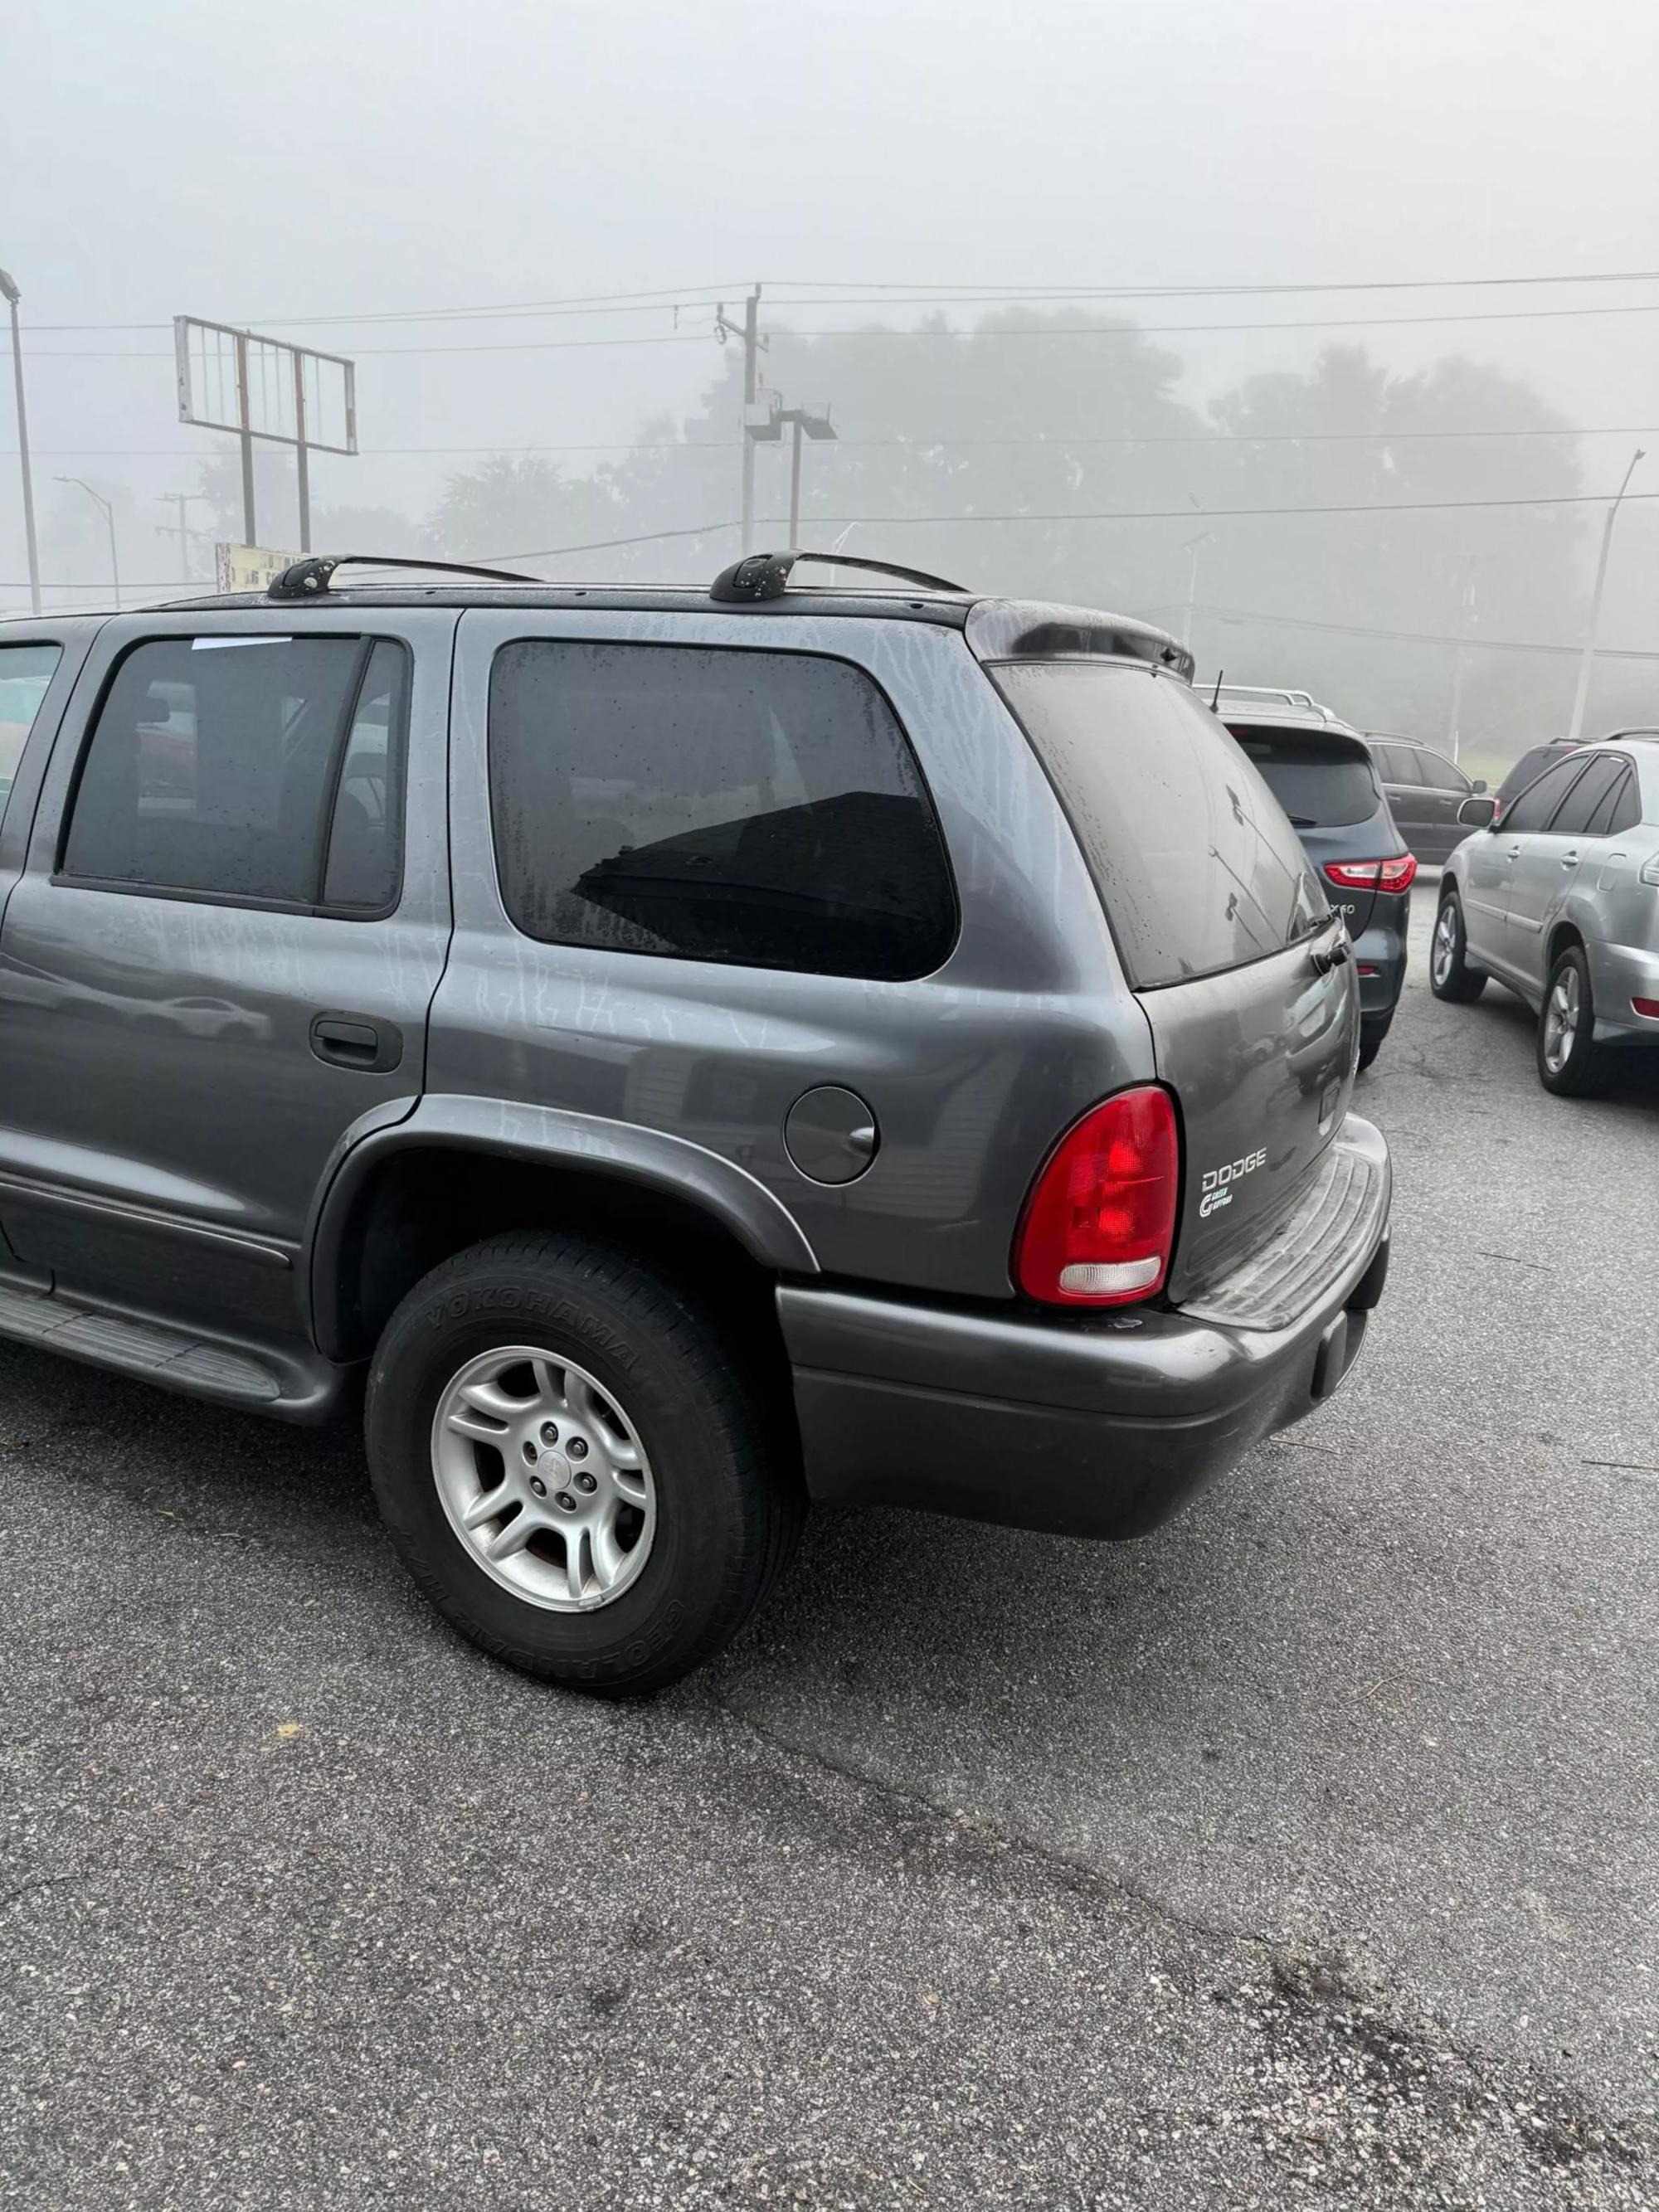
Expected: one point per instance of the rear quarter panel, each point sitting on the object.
(971, 1073)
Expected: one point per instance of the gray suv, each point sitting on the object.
(679, 1054)
(1560, 900)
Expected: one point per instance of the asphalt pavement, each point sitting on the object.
(1302, 1852)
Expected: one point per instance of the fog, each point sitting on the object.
(949, 208)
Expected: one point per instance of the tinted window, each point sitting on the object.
(1531, 763)
(1399, 764)
(1621, 807)
(1587, 796)
(25, 672)
(1320, 781)
(213, 768)
(1439, 773)
(365, 847)
(713, 804)
(1626, 807)
(1197, 866)
(1534, 808)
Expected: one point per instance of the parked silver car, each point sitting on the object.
(1560, 902)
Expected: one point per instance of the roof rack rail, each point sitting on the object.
(766, 575)
(305, 579)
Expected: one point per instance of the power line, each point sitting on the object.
(1060, 443)
(1470, 641)
(1214, 291)
(900, 292)
(1124, 329)
(1121, 514)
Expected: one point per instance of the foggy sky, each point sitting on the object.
(254, 162)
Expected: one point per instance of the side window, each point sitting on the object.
(713, 804)
(1626, 807)
(25, 672)
(1538, 801)
(365, 846)
(1621, 808)
(1586, 797)
(1442, 775)
(1399, 765)
(223, 767)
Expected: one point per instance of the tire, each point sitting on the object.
(701, 1523)
(1450, 975)
(1569, 1062)
(1371, 1034)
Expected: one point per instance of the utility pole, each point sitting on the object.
(183, 501)
(1192, 549)
(1582, 695)
(12, 296)
(750, 382)
(1466, 608)
(245, 432)
(109, 524)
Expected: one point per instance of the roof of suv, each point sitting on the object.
(996, 629)
(1279, 711)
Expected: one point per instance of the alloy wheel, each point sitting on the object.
(544, 1478)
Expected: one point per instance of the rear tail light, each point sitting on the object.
(1100, 1221)
(1372, 875)
(1648, 1008)
(1650, 870)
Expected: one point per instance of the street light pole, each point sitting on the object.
(1581, 697)
(12, 296)
(109, 524)
(1193, 547)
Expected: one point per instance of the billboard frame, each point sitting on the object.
(243, 428)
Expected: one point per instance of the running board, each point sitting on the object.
(294, 1385)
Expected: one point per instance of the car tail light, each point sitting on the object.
(1372, 875)
(1366, 973)
(1100, 1220)
(1648, 1008)
(1650, 870)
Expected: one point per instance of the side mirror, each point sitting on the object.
(1479, 783)
(1478, 813)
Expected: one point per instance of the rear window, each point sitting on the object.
(1321, 782)
(1194, 861)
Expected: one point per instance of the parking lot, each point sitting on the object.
(1303, 1850)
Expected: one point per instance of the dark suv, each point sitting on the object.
(1424, 790)
(687, 1052)
(1320, 773)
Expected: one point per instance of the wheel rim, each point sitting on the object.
(1445, 942)
(1561, 1020)
(544, 1478)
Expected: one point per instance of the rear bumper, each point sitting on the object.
(1620, 973)
(1096, 1427)
(1382, 949)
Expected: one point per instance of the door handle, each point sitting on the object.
(1569, 860)
(357, 1040)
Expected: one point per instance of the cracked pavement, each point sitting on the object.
(1304, 1852)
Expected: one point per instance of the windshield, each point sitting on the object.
(1195, 863)
(1322, 781)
